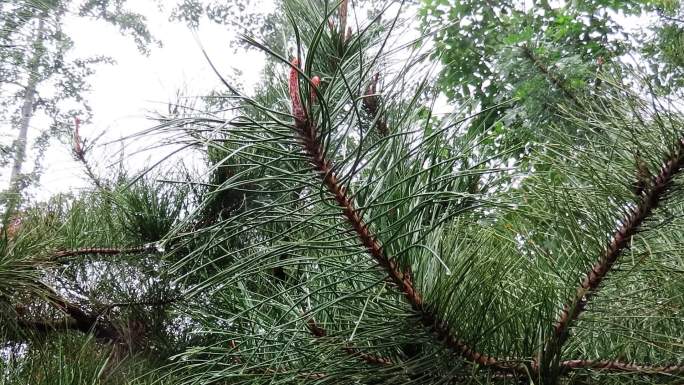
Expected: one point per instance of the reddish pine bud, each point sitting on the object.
(315, 82)
(297, 108)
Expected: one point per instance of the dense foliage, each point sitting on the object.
(341, 230)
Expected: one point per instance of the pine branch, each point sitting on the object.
(663, 15)
(103, 309)
(617, 366)
(371, 104)
(620, 242)
(84, 321)
(41, 326)
(162, 302)
(61, 255)
(344, 5)
(307, 131)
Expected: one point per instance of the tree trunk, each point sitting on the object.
(15, 187)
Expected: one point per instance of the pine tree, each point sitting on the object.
(342, 232)
(368, 256)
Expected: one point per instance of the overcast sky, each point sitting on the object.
(125, 94)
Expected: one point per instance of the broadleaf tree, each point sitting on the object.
(40, 83)
(542, 52)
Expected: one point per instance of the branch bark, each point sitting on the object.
(43, 326)
(61, 255)
(84, 321)
(617, 366)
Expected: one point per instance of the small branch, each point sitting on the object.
(620, 241)
(662, 14)
(42, 326)
(84, 321)
(61, 255)
(372, 359)
(617, 366)
(106, 308)
(344, 5)
(80, 152)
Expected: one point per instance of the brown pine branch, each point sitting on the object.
(372, 359)
(620, 241)
(161, 302)
(667, 17)
(84, 321)
(61, 255)
(88, 320)
(617, 366)
(43, 326)
(401, 278)
(103, 309)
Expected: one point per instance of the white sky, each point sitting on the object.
(125, 93)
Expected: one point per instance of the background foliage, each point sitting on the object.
(343, 228)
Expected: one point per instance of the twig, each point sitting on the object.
(617, 366)
(107, 307)
(80, 152)
(662, 14)
(371, 103)
(84, 321)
